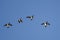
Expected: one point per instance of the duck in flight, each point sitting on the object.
(20, 20)
(45, 23)
(30, 17)
(8, 25)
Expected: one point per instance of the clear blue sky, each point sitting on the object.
(43, 10)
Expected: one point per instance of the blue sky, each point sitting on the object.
(43, 10)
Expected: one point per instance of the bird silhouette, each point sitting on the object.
(45, 23)
(20, 20)
(30, 17)
(8, 25)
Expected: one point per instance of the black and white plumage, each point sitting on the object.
(30, 17)
(20, 20)
(8, 25)
(45, 24)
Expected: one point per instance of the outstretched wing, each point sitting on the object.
(28, 17)
(42, 24)
(20, 20)
(47, 23)
(10, 24)
(5, 25)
